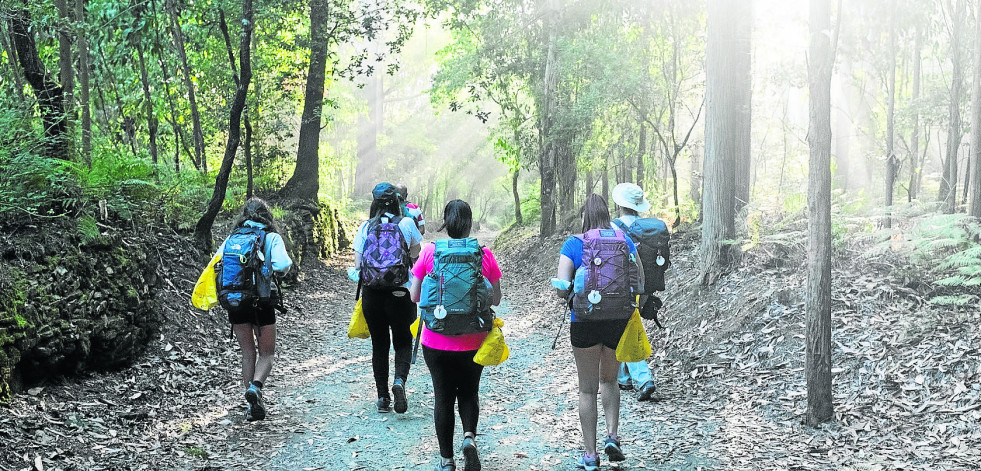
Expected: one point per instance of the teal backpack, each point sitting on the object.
(455, 297)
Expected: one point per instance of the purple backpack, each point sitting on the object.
(385, 259)
(607, 282)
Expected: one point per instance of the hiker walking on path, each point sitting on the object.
(651, 236)
(250, 299)
(410, 209)
(455, 281)
(383, 249)
(604, 264)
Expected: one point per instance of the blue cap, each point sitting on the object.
(384, 191)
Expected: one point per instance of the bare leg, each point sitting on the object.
(587, 365)
(267, 349)
(246, 340)
(609, 391)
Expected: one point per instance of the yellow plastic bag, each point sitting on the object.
(493, 351)
(358, 327)
(634, 345)
(414, 328)
(205, 294)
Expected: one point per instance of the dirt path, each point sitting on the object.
(322, 413)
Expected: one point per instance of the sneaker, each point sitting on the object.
(256, 411)
(612, 448)
(646, 391)
(588, 463)
(625, 386)
(445, 464)
(398, 390)
(472, 462)
(384, 405)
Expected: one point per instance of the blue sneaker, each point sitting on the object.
(612, 448)
(257, 410)
(471, 461)
(588, 463)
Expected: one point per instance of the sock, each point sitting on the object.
(257, 384)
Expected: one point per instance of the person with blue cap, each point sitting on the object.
(384, 248)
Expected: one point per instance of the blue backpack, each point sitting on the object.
(243, 275)
(456, 298)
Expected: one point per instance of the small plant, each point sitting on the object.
(949, 245)
(197, 452)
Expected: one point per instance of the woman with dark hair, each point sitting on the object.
(254, 325)
(384, 284)
(594, 342)
(449, 353)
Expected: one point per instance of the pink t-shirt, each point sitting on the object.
(453, 343)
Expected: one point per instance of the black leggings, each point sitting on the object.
(384, 312)
(456, 378)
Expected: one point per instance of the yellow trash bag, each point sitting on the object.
(414, 328)
(493, 351)
(358, 327)
(634, 345)
(205, 294)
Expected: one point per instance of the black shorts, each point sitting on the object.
(585, 334)
(259, 316)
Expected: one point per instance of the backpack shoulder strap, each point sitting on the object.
(621, 225)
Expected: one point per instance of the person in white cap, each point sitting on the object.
(649, 234)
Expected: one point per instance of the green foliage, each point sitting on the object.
(949, 247)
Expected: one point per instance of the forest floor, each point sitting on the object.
(729, 371)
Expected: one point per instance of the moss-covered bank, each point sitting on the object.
(74, 295)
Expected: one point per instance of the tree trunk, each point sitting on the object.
(517, 199)
(7, 46)
(547, 155)
(723, 133)
(820, 407)
(741, 74)
(50, 96)
(948, 185)
(974, 204)
(641, 151)
(66, 71)
(305, 182)
(606, 180)
(202, 231)
(914, 161)
(566, 166)
(147, 100)
(892, 163)
(83, 82)
(200, 159)
(223, 26)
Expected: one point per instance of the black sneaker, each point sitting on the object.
(472, 462)
(612, 449)
(257, 410)
(398, 390)
(646, 391)
(625, 386)
(384, 405)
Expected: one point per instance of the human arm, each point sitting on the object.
(496, 293)
(492, 272)
(279, 259)
(415, 289)
(565, 272)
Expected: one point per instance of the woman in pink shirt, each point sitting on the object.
(456, 378)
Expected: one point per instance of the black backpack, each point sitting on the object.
(652, 239)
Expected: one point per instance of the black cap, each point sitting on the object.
(384, 191)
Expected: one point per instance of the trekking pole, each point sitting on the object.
(557, 334)
(415, 347)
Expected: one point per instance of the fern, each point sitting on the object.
(959, 300)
